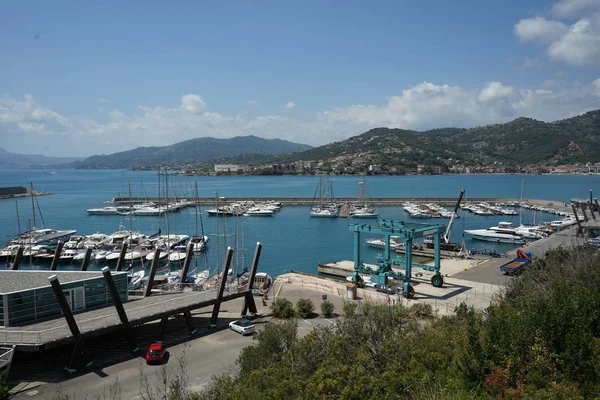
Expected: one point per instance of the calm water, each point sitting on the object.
(291, 240)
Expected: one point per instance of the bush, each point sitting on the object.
(283, 308)
(421, 310)
(305, 308)
(327, 308)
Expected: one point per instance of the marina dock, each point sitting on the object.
(307, 201)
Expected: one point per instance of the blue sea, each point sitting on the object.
(291, 239)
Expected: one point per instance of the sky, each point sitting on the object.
(98, 77)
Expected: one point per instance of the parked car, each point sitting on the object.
(156, 353)
(243, 326)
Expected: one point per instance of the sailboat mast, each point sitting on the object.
(520, 203)
(32, 205)
(159, 183)
(167, 214)
(243, 247)
(18, 219)
(237, 247)
(196, 198)
(217, 228)
(130, 214)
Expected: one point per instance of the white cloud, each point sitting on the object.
(539, 29)
(575, 44)
(581, 44)
(420, 107)
(574, 8)
(193, 103)
(290, 104)
(495, 91)
(427, 106)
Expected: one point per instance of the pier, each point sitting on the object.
(307, 201)
(18, 191)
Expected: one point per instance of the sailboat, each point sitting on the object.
(44, 236)
(199, 241)
(323, 204)
(528, 231)
(363, 208)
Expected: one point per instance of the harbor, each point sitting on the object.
(437, 277)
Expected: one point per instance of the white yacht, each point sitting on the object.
(166, 243)
(258, 212)
(103, 211)
(380, 243)
(323, 213)
(364, 212)
(147, 211)
(503, 233)
(44, 236)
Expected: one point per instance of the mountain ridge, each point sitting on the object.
(190, 151)
(9, 160)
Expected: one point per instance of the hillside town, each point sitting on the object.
(349, 165)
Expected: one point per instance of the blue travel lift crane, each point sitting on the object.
(409, 231)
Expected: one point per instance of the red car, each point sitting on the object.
(156, 353)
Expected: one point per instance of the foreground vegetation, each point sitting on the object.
(538, 340)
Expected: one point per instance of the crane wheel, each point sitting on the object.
(411, 293)
(437, 281)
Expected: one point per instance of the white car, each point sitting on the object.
(243, 326)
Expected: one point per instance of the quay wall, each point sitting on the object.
(18, 191)
(307, 201)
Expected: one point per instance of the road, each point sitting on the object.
(489, 271)
(212, 352)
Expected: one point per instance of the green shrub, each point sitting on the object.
(305, 308)
(327, 308)
(421, 310)
(283, 308)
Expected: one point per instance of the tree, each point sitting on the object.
(283, 308)
(305, 308)
(327, 309)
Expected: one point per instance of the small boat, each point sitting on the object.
(363, 208)
(135, 279)
(323, 204)
(200, 278)
(68, 255)
(174, 277)
(199, 242)
(323, 213)
(380, 243)
(366, 281)
(178, 254)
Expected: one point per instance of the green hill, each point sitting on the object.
(523, 141)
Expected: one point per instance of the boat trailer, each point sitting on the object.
(409, 231)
